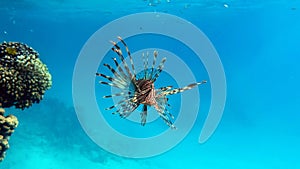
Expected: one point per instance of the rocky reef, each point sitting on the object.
(24, 78)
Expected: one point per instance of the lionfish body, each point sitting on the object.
(137, 89)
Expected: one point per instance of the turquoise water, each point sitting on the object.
(257, 43)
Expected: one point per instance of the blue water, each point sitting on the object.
(257, 42)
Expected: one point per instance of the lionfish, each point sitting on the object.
(137, 89)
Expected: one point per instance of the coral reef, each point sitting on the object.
(23, 81)
(7, 126)
(23, 77)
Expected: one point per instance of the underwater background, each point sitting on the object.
(257, 42)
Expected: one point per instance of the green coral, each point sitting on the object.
(23, 77)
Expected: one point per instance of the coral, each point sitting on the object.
(23, 81)
(23, 77)
(7, 126)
